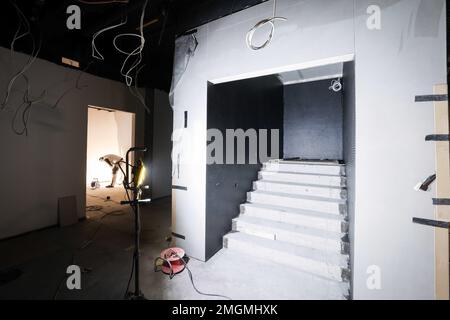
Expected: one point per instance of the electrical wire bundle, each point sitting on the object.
(95, 52)
(23, 23)
(24, 109)
(134, 90)
(124, 71)
(129, 65)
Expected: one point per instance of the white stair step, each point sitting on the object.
(319, 204)
(298, 235)
(303, 178)
(324, 264)
(316, 220)
(318, 162)
(305, 167)
(300, 189)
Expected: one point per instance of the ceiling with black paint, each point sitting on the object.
(165, 18)
(169, 17)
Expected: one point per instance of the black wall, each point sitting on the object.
(255, 103)
(158, 140)
(313, 121)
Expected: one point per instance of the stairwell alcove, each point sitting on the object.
(297, 207)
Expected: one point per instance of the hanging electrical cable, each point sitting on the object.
(134, 90)
(26, 105)
(22, 22)
(271, 22)
(137, 52)
(34, 53)
(77, 86)
(124, 71)
(95, 52)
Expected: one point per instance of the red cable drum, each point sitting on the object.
(172, 261)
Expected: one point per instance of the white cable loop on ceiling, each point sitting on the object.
(271, 22)
(125, 72)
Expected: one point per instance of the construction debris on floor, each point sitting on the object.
(102, 246)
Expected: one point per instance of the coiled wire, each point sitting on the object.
(271, 22)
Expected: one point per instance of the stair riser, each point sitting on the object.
(334, 181)
(300, 190)
(304, 204)
(294, 218)
(314, 169)
(301, 263)
(305, 240)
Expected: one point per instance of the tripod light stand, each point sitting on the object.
(135, 187)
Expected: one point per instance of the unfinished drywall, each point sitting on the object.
(51, 162)
(404, 58)
(109, 132)
(313, 120)
(248, 104)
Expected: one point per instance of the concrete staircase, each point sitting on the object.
(296, 216)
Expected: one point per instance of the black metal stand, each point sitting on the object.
(137, 294)
(134, 203)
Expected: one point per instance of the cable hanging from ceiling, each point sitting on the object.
(77, 86)
(23, 22)
(24, 108)
(95, 52)
(260, 24)
(129, 65)
(137, 52)
(134, 90)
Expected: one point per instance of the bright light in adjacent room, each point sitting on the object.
(70, 62)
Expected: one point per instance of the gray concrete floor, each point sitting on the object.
(43, 257)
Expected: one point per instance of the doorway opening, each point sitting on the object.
(110, 134)
(262, 206)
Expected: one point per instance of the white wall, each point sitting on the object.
(108, 133)
(50, 162)
(315, 30)
(405, 58)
